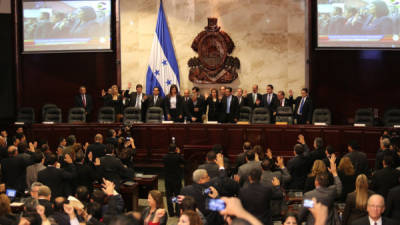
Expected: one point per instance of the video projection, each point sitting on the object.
(359, 23)
(66, 25)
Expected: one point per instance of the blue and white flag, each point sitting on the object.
(163, 69)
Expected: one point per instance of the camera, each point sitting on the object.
(308, 203)
(174, 200)
(215, 204)
(11, 193)
(207, 191)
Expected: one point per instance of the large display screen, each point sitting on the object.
(66, 25)
(359, 23)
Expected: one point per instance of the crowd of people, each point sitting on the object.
(219, 105)
(375, 18)
(80, 183)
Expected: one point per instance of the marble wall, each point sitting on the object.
(269, 36)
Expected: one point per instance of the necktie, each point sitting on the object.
(375, 223)
(301, 106)
(155, 100)
(138, 102)
(282, 103)
(240, 100)
(254, 98)
(269, 99)
(228, 104)
(84, 101)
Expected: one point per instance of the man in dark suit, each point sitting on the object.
(256, 198)
(85, 172)
(13, 170)
(186, 98)
(270, 101)
(241, 98)
(196, 107)
(56, 178)
(84, 100)
(386, 178)
(173, 177)
(111, 168)
(241, 158)
(385, 150)
(282, 101)
(375, 209)
(324, 194)
(393, 204)
(358, 158)
(210, 165)
(98, 149)
(155, 99)
(137, 100)
(303, 109)
(298, 168)
(230, 107)
(254, 99)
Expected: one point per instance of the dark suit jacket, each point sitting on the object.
(393, 204)
(14, 172)
(351, 213)
(250, 101)
(256, 199)
(200, 105)
(112, 169)
(307, 110)
(98, 150)
(172, 167)
(384, 179)
(179, 105)
(150, 101)
(132, 99)
(78, 102)
(58, 180)
(298, 168)
(211, 167)
(365, 221)
(325, 195)
(241, 101)
(359, 160)
(286, 103)
(214, 109)
(234, 110)
(272, 105)
(85, 176)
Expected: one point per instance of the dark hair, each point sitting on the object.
(211, 156)
(217, 148)
(216, 91)
(79, 156)
(61, 139)
(354, 145)
(98, 196)
(255, 174)
(194, 218)
(110, 132)
(82, 193)
(322, 179)
(19, 136)
(299, 149)
(51, 159)
(110, 148)
(71, 139)
(388, 159)
(271, 86)
(381, 9)
(247, 145)
(228, 88)
(330, 149)
(266, 165)
(319, 142)
(188, 203)
(260, 152)
(250, 155)
(155, 88)
(37, 157)
(290, 214)
(282, 93)
(305, 89)
(22, 147)
(240, 221)
(196, 89)
(139, 86)
(172, 147)
(173, 86)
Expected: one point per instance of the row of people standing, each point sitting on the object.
(219, 105)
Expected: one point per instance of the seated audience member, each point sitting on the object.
(98, 149)
(347, 176)
(290, 219)
(188, 203)
(229, 107)
(393, 204)
(303, 108)
(245, 169)
(213, 104)
(6, 216)
(318, 167)
(358, 158)
(84, 100)
(386, 178)
(13, 170)
(298, 168)
(254, 98)
(33, 170)
(189, 217)
(111, 168)
(375, 209)
(173, 105)
(256, 198)
(324, 194)
(56, 178)
(44, 197)
(115, 100)
(173, 174)
(356, 202)
(154, 214)
(34, 189)
(210, 165)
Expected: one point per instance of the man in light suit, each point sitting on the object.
(375, 209)
(324, 194)
(84, 100)
(137, 99)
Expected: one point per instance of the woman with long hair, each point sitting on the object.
(190, 217)
(173, 105)
(155, 213)
(114, 99)
(356, 202)
(347, 176)
(213, 104)
(318, 167)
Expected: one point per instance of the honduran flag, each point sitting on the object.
(163, 69)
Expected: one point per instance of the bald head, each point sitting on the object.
(12, 150)
(98, 138)
(186, 93)
(375, 206)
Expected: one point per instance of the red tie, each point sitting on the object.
(84, 101)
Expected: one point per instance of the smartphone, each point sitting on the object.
(128, 138)
(308, 203)
(11, 193)
(174, 200)
(207, 191)
(215, 204)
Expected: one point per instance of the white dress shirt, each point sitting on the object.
(172, 101)
(372, 222)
